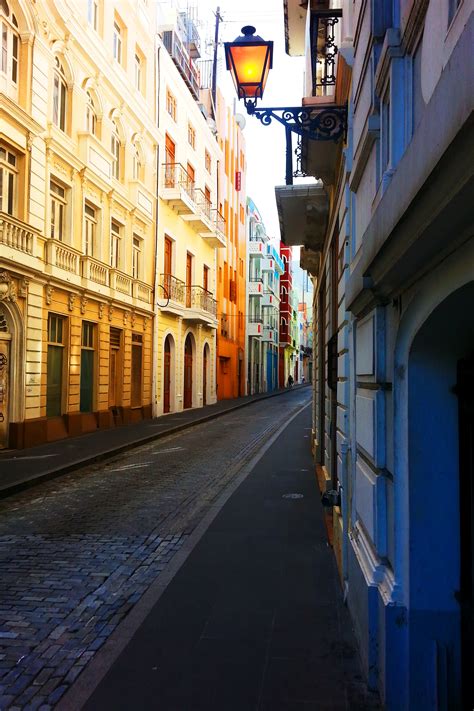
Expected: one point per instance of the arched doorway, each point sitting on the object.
(206, 359)
(167, 376)
(188, 372)
(441, 505)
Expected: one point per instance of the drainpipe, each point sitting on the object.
(154, 359)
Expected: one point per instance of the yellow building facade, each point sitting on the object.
(114, 189)
(191, 230)
(78, 146)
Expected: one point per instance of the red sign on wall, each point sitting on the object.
(238, 180)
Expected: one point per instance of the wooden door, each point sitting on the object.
(167, 377)
(188, 373)
(204, 377)
(115, 375)
(170, 159)
(205, 278)
(168, 255)
(189, 277)
(465, 596)
(167, 267)
(4, 391)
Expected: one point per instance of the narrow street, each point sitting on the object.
(79, 553)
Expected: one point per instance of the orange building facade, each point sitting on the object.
(231, 260)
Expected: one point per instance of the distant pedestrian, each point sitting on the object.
(290, 381)
(302, 380)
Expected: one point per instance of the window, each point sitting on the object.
(137, 166)
(191, 136)
(207, 161)
(90, 230)
(115, 251)
(10, 44)
(136, 257)
(91, 115)
(139, 71)
(93, 14)
(59, 96)
(87, 366)
(54, 372)
(171, 104)
(58, 210)
(118, 39)
(115, 149)
(8, 181)
(137, 364)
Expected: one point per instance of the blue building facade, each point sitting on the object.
(388, 237)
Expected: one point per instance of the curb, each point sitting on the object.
(11, 489)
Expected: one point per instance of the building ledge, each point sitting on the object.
(303, 212)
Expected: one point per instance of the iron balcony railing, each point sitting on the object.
(220, 221)
(193, 297)
(183, 61)
(258, 318)
(324, 49)
(199, 298)
(203, 202)
(175, 176)
(174, 288)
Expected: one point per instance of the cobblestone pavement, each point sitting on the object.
(78, 552)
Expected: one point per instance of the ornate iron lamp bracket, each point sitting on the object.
(315, 123)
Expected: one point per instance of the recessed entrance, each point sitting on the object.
(167, 376)
(188, 372)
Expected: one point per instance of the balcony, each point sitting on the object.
(16, 236)
(303, 211)
(324, 50)
(193, 303)
(62, 261)
(201, 307)
(120, 282)
(270, 334)
(255, 286)
(267, 264)
(177, 189)
(171, 296)
(255, 326)
(183, 61)
(279, 265)
(219, 221)
(269, 299)
(255, 249)
(141, 291)
(93, 270)
(204, 220)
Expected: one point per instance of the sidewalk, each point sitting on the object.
(22, 468)
(253, 620)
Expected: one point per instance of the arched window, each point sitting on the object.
(91, 115)
(10, 47)
(59, 96)
(115, 149)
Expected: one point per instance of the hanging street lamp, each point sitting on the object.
(249, 59)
